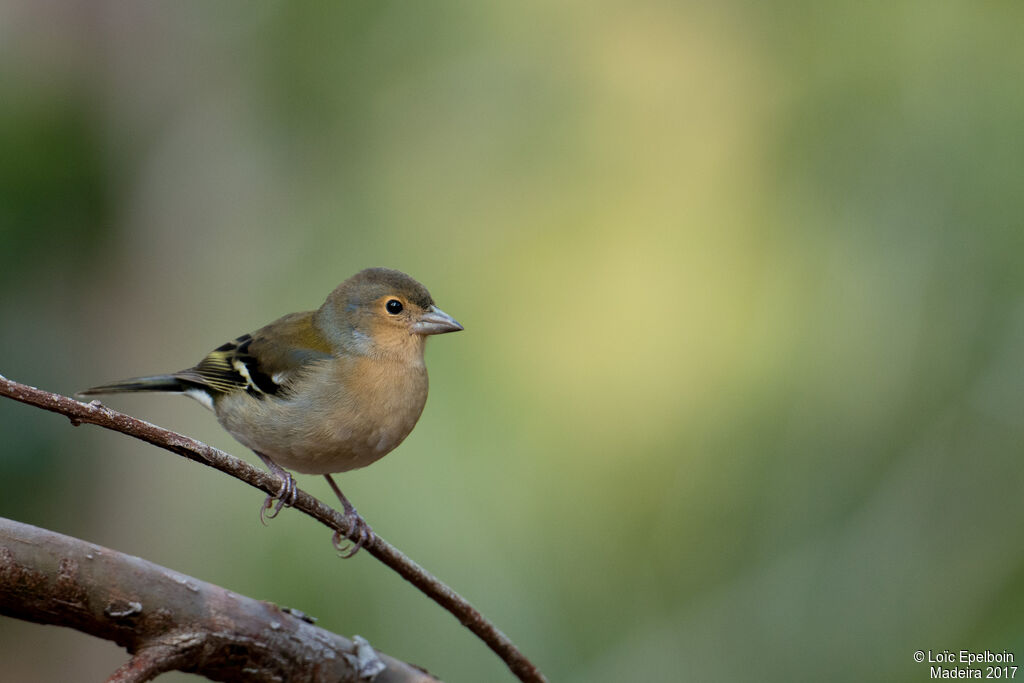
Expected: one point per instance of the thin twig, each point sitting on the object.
(101, 416)
(147, 664)
(174, 622)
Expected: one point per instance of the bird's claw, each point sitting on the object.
(343, 544)
(285, 497)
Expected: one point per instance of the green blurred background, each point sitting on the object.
(740, 392)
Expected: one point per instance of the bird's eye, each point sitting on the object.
(393, 306)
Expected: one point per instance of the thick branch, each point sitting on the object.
(169, 621)
(97, 414)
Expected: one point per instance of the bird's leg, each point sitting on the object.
(286, 496)
(359, 525)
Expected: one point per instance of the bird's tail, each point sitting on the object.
(168, 383)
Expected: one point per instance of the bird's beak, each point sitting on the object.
(435, 321)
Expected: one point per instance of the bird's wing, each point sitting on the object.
(262, 363)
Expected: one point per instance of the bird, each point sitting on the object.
(323, 391)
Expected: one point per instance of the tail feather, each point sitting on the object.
(168, 383)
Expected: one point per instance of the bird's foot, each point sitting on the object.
(344, 544)
(285, 497)
(358, 528)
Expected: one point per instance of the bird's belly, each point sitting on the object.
(304, 436)
(344, 449)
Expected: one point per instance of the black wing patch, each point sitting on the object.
(230, 367)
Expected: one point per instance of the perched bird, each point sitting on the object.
(322, 391)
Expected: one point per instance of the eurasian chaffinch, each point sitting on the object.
(322, 391)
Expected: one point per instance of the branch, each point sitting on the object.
(97, 414)
(173, 622)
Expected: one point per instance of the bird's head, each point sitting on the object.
(382, 311)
